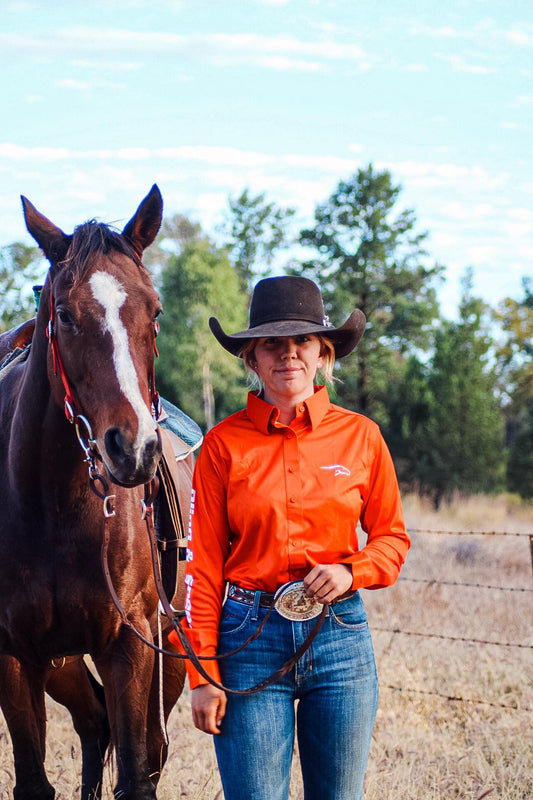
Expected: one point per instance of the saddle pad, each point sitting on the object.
(175, 420)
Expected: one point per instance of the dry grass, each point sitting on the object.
(425, 747)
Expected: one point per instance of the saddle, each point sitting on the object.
(180, 437)
(171, 506)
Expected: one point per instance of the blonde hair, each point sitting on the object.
(327, 351)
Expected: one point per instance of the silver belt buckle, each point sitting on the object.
(291, 602)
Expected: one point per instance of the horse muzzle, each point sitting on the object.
(131, 463)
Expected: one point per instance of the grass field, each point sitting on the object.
(455, 717)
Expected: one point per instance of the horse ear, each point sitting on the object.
(51, 239)
(144, 225)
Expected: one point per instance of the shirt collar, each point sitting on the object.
(262, 414)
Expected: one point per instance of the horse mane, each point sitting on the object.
(94, 238)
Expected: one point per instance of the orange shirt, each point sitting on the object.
(271, 501)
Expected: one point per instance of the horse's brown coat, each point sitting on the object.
(53, 598)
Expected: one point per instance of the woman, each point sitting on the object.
(278, 491)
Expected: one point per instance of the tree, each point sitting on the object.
(409, 410)
(370, 257)
(514, 364)
(194, 371)
(514, 352)
(460, 445)
(20, 267)
(520, 466)
(254, 231)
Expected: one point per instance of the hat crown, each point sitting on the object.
(286, 298)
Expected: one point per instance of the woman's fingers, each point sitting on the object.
(327, 582)
(208, 706)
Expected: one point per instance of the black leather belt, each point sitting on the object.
(247, 596)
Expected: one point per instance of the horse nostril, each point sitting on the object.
(152, 447)
(114, 443)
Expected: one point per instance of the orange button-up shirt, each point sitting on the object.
(271, 501)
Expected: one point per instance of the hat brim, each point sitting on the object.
(344, 339)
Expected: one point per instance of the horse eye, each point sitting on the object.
(64, 317)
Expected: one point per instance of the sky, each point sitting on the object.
(101, 99)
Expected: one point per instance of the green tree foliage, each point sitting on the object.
(255, 231)
(368, 255)
(194, 371)
(515, 351)
(514, 360)
(520, 466)
(409, 407)
(20, 267)
(458, 425)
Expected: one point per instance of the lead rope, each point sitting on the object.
(171, 614)
(162, 723)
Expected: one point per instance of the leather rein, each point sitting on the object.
(100, 487)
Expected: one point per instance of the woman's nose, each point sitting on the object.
(289, 349)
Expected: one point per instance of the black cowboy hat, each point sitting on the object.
(291, 306)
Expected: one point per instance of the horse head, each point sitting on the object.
(99, 311)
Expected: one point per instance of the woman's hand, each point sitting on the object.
(208, 708)
(327, 582)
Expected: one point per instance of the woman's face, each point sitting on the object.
(287, 365)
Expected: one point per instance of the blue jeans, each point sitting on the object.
(335, 683)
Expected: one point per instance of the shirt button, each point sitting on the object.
(292, 499)
(301, 409)
(291, 469)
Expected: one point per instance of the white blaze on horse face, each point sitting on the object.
(111, 295)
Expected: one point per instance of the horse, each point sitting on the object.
(79, 444)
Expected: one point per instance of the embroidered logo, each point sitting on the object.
(340, 469)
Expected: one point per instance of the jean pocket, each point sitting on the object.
(234, 618)
(353, 618)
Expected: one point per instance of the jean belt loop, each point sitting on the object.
(255, 608)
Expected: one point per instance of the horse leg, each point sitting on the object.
(162, 703)
(126, 672)
(72, 685)
(22, 701)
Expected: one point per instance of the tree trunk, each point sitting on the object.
(209, 399)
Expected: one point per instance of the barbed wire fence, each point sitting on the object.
(394, 631)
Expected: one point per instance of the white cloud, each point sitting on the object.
(460, 64)
(283, 64)
(520, 36)
(518, 230)
(274, 52)
(69, 83)
(523, 214)
(134, 154)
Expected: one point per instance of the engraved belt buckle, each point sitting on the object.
(291, 602)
